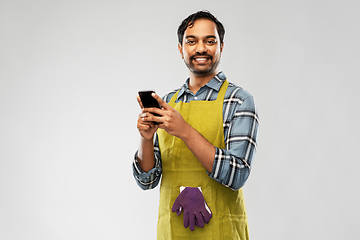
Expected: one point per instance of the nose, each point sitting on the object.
(201, 47)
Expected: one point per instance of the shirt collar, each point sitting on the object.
(215, 83)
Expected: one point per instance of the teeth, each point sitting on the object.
(201, 59)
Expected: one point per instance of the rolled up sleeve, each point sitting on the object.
(232, 165)
(150, 179)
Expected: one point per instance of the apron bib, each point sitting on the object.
(181, 168)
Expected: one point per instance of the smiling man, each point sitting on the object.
(203, 145)
(200, 49)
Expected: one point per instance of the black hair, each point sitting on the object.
(189, 22)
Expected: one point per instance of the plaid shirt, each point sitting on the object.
(232, 165)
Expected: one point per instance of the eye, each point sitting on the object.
(211, 41)
(190, 42)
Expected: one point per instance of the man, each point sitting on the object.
(204, 142)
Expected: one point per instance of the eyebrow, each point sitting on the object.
(193, 36)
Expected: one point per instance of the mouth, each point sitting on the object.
(201, 59)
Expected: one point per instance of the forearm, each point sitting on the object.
(232, 165)
(227, 162)
(145, 155)
(230, 170)
(203, 150)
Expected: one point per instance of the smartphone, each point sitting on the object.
(149, 101)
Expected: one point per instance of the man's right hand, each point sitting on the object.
(146, 128)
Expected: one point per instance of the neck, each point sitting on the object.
(197, 81)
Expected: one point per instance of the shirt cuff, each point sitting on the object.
(146, 180)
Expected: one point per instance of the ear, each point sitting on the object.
(221, 47)
(180, 50)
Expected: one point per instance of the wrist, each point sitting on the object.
(186, 132)
(146, 140)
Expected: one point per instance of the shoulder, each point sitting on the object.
(169, 95)
(235, 93)
(238, 102)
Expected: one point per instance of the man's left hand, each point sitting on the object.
(170, 120)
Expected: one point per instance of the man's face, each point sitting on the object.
(201, 48)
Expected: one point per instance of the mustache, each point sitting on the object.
(200, 55)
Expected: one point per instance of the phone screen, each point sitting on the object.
(148, 100)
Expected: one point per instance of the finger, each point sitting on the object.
(143, 127)
(206, 216)
(150, 119)
(192, 221)
(154, 110)
(176, 206)
(139, 101)
(162, 103)
(199, 220)
(178, 212)
(161, 126)
(186, 219)
(144, 124)
(142, 116)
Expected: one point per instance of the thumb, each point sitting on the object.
(176, 207)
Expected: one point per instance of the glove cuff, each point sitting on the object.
(182, 189)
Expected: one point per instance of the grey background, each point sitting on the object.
(69, 74)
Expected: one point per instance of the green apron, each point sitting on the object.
(181, 168)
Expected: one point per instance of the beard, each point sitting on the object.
(203, 70)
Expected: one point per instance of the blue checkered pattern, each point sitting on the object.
(232, 165)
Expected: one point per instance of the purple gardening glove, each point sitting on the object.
(196, 211)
